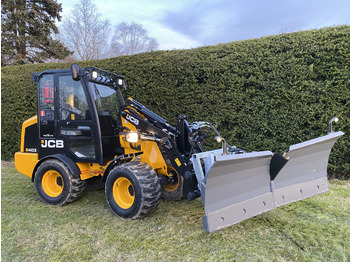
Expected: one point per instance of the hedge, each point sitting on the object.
(265, 94)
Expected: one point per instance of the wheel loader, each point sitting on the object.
(86, 135)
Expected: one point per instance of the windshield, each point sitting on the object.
(106, 101)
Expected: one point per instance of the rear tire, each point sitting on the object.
(132, 190)
(55, 184)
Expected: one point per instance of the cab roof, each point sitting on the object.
(104, 77)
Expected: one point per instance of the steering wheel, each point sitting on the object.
(71, 110)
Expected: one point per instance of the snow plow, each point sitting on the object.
(235, 187)
(86, 135)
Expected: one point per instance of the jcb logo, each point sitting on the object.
(52, 143)
(132, 119)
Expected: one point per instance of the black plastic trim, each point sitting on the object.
(118, 160)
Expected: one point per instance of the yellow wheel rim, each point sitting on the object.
(123, 192)
(52, 183)
(172, 187)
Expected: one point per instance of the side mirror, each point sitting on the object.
(75, 72)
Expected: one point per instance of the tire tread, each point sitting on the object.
(149, 184)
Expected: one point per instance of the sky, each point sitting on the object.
(184, 24)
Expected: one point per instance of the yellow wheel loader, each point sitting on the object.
(86, 135)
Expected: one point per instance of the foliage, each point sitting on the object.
(26, 28)
(265, 94)
(315, 229)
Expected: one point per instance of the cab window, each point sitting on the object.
(46, 106)
(73, 101)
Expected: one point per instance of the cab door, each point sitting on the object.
(49, 144)
(77, 121)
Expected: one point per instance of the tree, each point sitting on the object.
(129, 39)
(26, 28)
(85, 33)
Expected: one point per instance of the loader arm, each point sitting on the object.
(157, 142)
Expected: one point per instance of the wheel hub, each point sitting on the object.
(172, 180)
(123, 192)
(52, 183)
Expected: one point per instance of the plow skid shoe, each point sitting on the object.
(236, 188)
(241, 186)
(305, 173)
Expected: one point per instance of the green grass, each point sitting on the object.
(316, 229)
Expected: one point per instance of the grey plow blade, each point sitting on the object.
(237, 187)
(305, 173)
(241, 186)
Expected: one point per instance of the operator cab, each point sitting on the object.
(78, 114)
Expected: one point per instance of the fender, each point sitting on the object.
(72, 166)
(119, 160)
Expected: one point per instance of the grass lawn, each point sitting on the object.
(316, 229)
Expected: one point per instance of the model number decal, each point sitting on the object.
(132, 119)
(31, 150)
(52, 143)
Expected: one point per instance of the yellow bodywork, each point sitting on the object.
(89, 170)
(151, 153)
(25, 161)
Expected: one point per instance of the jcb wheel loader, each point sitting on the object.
(86, 135)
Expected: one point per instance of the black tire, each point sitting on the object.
(174, 190)
(55, 184)
(132, 190)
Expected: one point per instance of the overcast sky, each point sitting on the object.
(179, 24)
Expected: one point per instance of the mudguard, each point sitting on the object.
(241, 186)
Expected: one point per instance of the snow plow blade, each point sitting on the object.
(236, 188)
(240, 186)
(305, 173)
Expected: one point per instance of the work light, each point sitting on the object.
(132, 137)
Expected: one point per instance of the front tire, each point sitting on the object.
(55, 184)
(132, 190)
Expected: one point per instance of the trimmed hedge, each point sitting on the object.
(265, 94)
